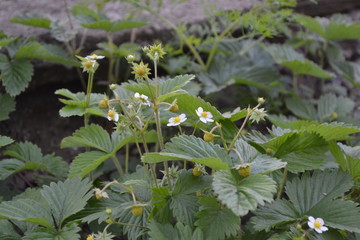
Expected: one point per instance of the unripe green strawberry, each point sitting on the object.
(244, 171)
(136, 210)
(196, 172)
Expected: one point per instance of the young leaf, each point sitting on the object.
(7, 105)
(16, 74)
(4, 140)
(216, 222)
(32, 20)
(67, 198)
(243, 195)
(192, 149)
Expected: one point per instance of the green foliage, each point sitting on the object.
(7, 105)
(192, 149)
(16, 74)
(215, 221)
(337, 27)
(95, 136)
(243, 195)
(4, 140)
(312, 196)
(75, 105)
(288, 57)
(179, 232)
(27, 156)
(32, 20)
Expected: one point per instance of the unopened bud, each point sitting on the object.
(112, 87)
(130, 58)
(269, 151)
(108, 211)
(261, 100)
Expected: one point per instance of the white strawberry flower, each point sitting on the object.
(205, 117)
(143, 98)
(174, 121)
(94, 57)
(112, 115)
(317, 224)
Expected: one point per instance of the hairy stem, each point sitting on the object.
(282, 184)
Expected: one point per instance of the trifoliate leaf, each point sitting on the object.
(306, 192)
(216, 222)
(160, 231)
(86, 162)
(67, 198)
(275, 214)
(243, 195)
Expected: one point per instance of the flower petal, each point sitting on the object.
(209, 119)
(320, 220)
(203, 120)
(311, 219)
(318, 230)
(311, 224)
(324, 229)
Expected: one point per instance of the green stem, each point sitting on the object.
(88, 94)
(195, 127)
(217, 41)
(182, 36)
(240, 130)
(127, 155)
(282, 184)
(118, 166)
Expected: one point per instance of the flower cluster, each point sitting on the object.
(143, 98)
(89, 63)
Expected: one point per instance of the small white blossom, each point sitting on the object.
(100, 194)
(113, 115)
(317, 224)
(174, 121)
(94, 57)
(257, 115)
(143, 98)
(204, 116)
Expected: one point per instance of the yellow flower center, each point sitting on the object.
(204, 114)
(141, 71)
(90, 237)
(317, 224)
(94, 55)
(88, 64)
(111, 113)
(177, 119)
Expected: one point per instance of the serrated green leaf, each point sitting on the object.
(277, 213)
(216, 222)
(84, 14)
(7, 105)
(27, 210)
(335, 28)
(68, 232)
(24, 151)
(161, 200)
(329, 131)
(300, 108)
(243, 195)
(308, 191)
(192, 149)
(160, 231)
(90, 136)
(184, 207)
(287, 56)
(109, 26)
(348, 70)
(187, 183)
(347, 161)
(67, 198)
(4, 140)
(7, 40)
(86, 162)
(48, 52)
(16, 74)
(32, 20)
(9, 166)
